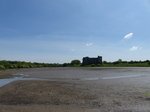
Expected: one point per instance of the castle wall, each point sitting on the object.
(88, 61)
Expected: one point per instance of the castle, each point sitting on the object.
(88, 61)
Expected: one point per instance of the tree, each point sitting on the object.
(104, 62)
(75, 62)
(120, 60)
(66, 64)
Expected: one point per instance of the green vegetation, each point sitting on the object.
(118, 63)
(147, 93)
(131, 63)
(21, 64)
(74, 63)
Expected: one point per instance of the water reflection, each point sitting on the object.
(6, 81)
(122, 77)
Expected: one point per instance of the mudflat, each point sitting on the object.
(78, 90)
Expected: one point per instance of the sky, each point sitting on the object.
(59, 31)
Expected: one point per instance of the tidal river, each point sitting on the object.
(75, 74)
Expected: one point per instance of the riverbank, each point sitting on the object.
(109, 95)
(5, 74)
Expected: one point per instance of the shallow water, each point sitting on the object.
(7, 81)
(123, 77)
(77, 74)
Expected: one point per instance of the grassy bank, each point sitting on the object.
(18, 65)
(126, 65)
(4, 64)
(146, 64)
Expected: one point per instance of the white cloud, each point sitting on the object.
(128, 36)
(89, 44)
(134, 48)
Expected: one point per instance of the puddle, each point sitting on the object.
(122, 77)
(20, 74)
(90, 79)
(6, 81)
(119, 77)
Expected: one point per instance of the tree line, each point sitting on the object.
(129, 62)
(118, 63)
(4, 64)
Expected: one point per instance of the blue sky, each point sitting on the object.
(58, 31)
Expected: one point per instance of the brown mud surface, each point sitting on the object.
(127, 94)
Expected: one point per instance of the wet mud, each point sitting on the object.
(78, 89)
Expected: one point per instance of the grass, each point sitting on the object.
(127, 65)
(145, 64)
(147, 93)
(117, 65)
(114, 65)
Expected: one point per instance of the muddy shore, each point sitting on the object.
(68, 93)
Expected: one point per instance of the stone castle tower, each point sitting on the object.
(88, 61)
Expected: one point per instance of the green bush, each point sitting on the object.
(75, 62)
(2, 67)
(93, 65)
